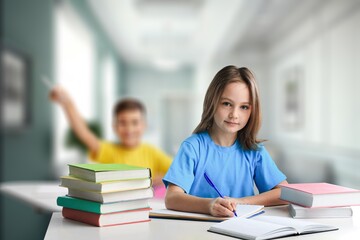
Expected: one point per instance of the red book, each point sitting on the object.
(319, 195)
(109, 219)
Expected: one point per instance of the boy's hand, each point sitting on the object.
(59, 95)
(222, 207)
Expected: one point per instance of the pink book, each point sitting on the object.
(319, 195)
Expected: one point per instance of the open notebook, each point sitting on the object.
(241, 210)
(267, 227)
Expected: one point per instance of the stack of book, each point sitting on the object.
(106, 194)
(319, 200)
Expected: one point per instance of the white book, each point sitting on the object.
(267, 227)
(112, 196)
(109, 186)
(297, 211)
(100, 172)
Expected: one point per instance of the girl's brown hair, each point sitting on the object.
(230, 74)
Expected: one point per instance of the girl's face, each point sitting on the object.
(234, 109)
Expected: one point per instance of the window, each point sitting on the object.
(74, 70)
(108, 79)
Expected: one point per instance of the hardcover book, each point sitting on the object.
(110, 219)
(319, 195)
(297, 211)
(109, 186)
(112, 196)
(101, 208)
(108, 172)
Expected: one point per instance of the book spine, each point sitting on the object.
(94, 219)
(79, 204)
(80, 216)
(81, 184)
(297, 197)
(110, 197)
(81, 173)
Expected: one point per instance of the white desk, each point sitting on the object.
(61, 228)
(41, 195)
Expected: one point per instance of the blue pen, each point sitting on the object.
(213, 185)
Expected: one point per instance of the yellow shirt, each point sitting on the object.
(145, 155)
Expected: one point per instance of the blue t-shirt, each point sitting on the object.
(232, 169)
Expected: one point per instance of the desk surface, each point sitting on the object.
(41, 195)
(61, 228)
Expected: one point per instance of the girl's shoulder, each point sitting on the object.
(258, 150)
(197, 138)
(260, 147)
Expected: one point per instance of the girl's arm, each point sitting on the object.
(269, 198)
(177, 199)
(77, 123)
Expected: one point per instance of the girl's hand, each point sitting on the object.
(222, 207)
(157, 181)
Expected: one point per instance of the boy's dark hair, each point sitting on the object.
(127, 104)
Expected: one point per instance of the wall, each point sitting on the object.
(26, 154)
(153, 87)
(104, 47)
(27, 28)
(323, 44)
(325, 47)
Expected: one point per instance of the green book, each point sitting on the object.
(101, 208)
(108, 172)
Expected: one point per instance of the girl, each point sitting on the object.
(224, 145)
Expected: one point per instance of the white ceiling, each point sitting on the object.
(173, 32)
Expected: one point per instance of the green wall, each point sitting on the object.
(28, 28)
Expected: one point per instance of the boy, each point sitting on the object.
(129, 126)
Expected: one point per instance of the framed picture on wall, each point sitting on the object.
(293, 104)
(15, 105)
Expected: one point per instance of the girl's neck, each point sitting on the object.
(222, 139)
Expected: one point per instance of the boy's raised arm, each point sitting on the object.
(77, 123)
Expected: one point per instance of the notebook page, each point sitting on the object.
(251, 229)
(301, 226)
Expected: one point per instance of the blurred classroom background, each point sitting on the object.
(305, 55)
